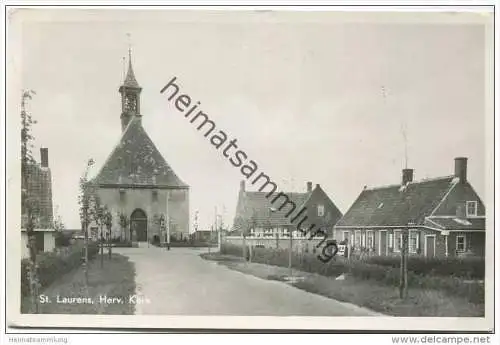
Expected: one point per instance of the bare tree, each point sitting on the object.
(124, 223)
(84, 201)
(108, 221)
(97, 211)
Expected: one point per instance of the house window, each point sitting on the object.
(461, 244)
(357, 239)
(321, 210)
(154, 196)
(122, 196)
(471, 208)
(413, 240)
(345, 235)
(398, 240)
(370, 239)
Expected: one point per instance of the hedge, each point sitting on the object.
(52, 265)
(371, 269)
(466, 267)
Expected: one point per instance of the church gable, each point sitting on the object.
(136, 161)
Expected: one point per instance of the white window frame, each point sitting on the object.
(344, 235)
(467, 208)
(465, 244)
(370, 234)
(395, 248)
(321, 210)
(417, 245)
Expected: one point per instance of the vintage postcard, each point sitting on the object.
(250, 168)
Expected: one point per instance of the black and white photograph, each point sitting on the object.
(249, 168)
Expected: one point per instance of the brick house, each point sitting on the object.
(264, 219)
(137, 183)
(444, 217)
(40, 189)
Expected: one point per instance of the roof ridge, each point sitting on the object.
(429, 179)
(287, 193)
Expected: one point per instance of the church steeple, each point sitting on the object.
(130, 91)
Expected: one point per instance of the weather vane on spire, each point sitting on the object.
(129, 45)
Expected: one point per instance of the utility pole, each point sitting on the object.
(290, 232)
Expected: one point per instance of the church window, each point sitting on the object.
(122, 196)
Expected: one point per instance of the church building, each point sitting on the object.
(147, 200)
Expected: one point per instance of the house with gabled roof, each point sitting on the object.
(257, 215)
(444, 216)
(137, 184)
(39, 191)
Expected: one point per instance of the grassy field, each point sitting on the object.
(70, 294)
(365, 293)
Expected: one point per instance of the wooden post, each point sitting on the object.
(403, 279)
(102, 248)
(167, 221)
(110, 244)
(244, 247)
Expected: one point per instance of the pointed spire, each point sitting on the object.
(130, 80)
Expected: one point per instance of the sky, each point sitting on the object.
(301, 92)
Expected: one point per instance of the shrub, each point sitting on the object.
(62, 240)
(466, 267)
(122, 244)
(433, 273)
(52, 265)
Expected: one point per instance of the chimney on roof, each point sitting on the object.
(317, 185)
(309, 186)
(44, 157)
(242, 185)
(461, 169)
(407, 176)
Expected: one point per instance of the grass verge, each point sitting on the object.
(70, 295)
(364, 293)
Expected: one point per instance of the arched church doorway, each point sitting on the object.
(139, 223)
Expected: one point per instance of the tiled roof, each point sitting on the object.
(454, 223)
(255, 207)
(130, 80)
(394, 205)
(40, 192)
(136, 161)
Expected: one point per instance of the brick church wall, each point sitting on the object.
(142, 198)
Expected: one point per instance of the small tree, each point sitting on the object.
(124, 223)
(108, 221)
(84, 203)
(97, 211)
(28, 200)
(61, 239)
